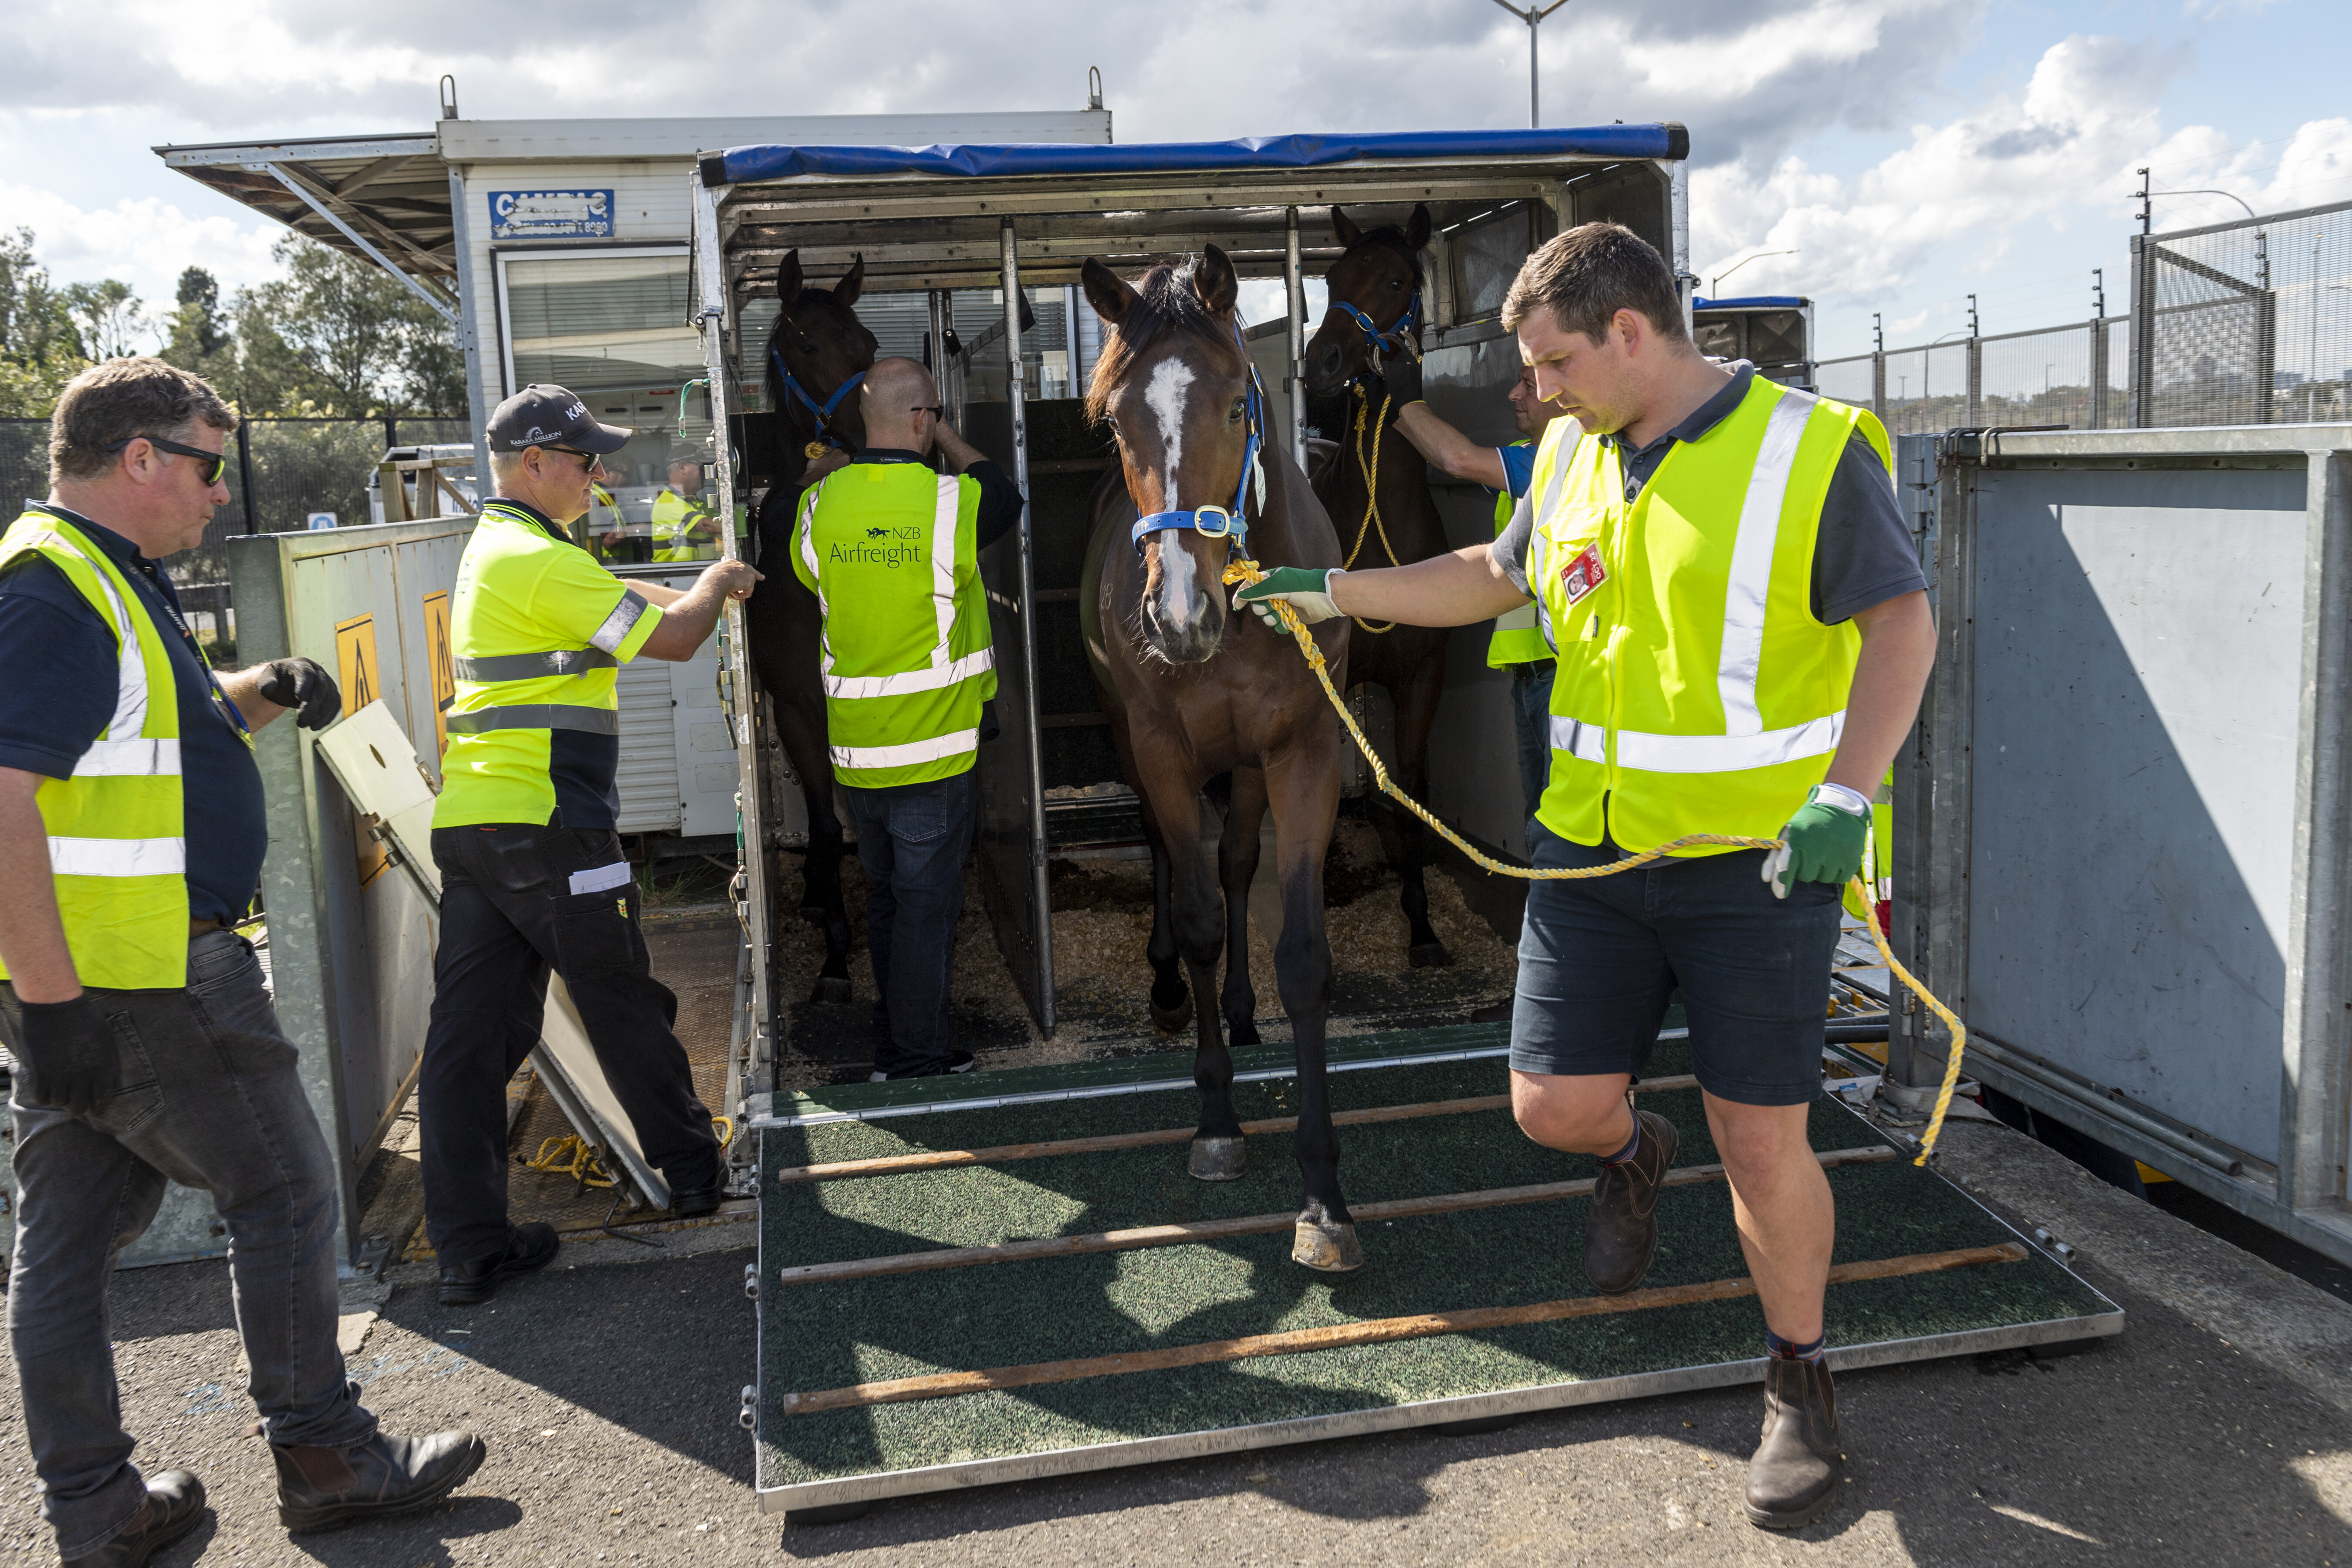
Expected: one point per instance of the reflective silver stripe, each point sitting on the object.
(130, 673)
(943, 564)
(118, 856)
(1586, 742)
(1538, 564)
(807, 540)
(932, 679)
(1729, 753)
(625, 614)
(908, 754)
(117, 758)
(537, 716)
(1752, 564)
(533, 666)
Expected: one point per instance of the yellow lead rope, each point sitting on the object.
(1240, 570)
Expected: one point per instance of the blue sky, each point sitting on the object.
(1911, 151)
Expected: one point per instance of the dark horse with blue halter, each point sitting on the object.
(1376, 488)
(1192, 692)
(818, 353)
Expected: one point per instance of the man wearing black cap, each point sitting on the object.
(684, 529)
(533, 876)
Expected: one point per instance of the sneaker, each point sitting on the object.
(320, 1488)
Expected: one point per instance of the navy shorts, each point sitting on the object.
(1599, 958)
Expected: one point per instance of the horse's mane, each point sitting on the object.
(1165, 302)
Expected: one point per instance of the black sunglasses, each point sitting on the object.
(216, 464)
(588, 459)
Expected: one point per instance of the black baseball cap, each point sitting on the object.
(682, 453)
(542, 416)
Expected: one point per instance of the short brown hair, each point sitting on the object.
(112, 403)
(1591, 272)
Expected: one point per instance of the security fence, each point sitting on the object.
(2072, 376)
(2249, 322)
(282, 473)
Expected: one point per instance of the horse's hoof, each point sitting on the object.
(830, 988)
(1429, 955)
(1333, 1249)
(1173, 1020)
(1242, 1033)
(1218, 1159)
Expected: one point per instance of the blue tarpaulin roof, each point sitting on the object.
(738, 165)
(1785, 302)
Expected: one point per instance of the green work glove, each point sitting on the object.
(1307, 589)
(1822, 843)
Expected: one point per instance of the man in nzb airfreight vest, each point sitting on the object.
(891, 549)
(533, 876)
(132, 826)
(1743, 635)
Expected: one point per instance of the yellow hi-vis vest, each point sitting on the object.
(1695, 692)
(1518, 634)
(118, 846)
(674, 516)
(889, 550)
(538, 633)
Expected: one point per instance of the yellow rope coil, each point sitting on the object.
(1372, 519)
(572, 1155)
(1247, 571)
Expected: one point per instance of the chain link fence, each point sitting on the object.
(2248, 322)
(281, 473)
(2075, 376)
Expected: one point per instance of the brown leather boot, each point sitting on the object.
(174, 1505)
(1794, 1476)
(1621, 1230)
(318, 1489)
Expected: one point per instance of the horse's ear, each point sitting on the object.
(846, 291)
(1106, 292)
(1215, 281)
(1342, 229)
(1416, 229)
(788, 278)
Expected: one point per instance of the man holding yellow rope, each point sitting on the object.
(1743, 635)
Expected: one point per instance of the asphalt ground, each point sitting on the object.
(2218, 1429)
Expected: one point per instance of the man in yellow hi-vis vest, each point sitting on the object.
(684, 528)
(132, 827)
(891, 549)
(533, 878)
(1744, 636)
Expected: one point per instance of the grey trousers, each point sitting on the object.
(208, 1097)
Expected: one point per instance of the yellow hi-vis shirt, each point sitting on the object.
(538, 632)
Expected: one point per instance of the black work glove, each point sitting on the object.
(1401, 374)
(67, 1057)
(300, 684)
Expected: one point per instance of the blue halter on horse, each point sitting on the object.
(1232, 523)
(1398, 336)
(823, 411)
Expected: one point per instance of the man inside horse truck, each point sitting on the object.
(891, 549)
(1743, 635)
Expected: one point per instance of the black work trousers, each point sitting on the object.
(517, 902)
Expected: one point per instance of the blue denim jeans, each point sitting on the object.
(912, 840)
(207, 1095)
(1531, 709)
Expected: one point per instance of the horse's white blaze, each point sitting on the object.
(1165, 397)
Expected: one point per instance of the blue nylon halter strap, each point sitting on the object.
(822, 411)
(1400, 332)
(1231, 523)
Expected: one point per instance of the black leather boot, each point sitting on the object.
(1621, 1231)
(530, 1244)
(320, 1488)
(175, 1503)
(1794, 1476)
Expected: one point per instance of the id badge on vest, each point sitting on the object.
(1584, 573)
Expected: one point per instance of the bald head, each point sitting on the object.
(891, 396)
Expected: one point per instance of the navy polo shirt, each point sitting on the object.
(59, 694)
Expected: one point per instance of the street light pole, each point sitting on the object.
(1532, 15)
(1736, 266)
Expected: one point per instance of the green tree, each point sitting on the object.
(346, 336)
(111, 319)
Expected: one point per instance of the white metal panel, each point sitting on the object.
(709, 772)
(647, 776)
(572, 141)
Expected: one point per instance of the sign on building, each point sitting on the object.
(551, 214)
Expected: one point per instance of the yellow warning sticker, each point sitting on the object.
(360, 676)
(444, 666)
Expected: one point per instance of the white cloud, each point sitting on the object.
(146, 243)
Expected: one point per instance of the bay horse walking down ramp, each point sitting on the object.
(1193, 691)
(1376, 488)
(816, 357)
